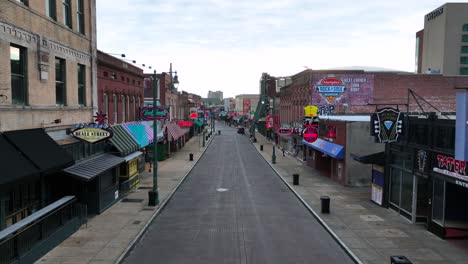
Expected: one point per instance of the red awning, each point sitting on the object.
(172, 131)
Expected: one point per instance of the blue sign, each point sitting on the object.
(331, 149)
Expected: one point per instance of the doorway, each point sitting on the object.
(401, 192)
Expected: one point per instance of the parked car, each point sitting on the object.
(240, 130)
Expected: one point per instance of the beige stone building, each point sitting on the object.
(442, 47)
(47, 63)
(246, 103)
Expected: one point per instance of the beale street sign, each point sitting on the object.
(148, 113)
(93, 132)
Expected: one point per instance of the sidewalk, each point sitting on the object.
(106, 237)
(371, 232)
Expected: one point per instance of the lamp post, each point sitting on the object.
(153, 195)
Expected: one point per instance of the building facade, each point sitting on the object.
(48, 57)
(120, 89)
(445, 40)
(218, 95)
(245, 103)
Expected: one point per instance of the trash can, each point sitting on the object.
(399, 260)
(295, 179)
(219, 132)
(191, 156)
(325, 202)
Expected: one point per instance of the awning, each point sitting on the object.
(184, 124)
(376, 158)
(40, 149)
(142, 134)
(331, 149)
(198, 123)
(123, 141)
(132, 156)
(90, 168)
(13, 165)
(173, 132)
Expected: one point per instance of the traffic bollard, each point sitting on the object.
(295, 179)
(261, 147)
(191, 156)
(325, 202)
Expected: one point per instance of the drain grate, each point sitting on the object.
(129, 200)
(145, 187)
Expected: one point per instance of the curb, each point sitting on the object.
(140, 234)
(319, 219)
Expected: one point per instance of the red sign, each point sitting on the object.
(284, 131)
(451, 165)
(246, 106)
(310, 134)
(331, 81)
(185, 123)
(331, 131)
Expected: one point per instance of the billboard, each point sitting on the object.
(246, 106)
(339, 89)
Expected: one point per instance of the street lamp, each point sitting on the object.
(153, 195)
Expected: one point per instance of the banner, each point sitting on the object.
(246, 106)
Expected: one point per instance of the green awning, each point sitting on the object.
(123, 141)
(198, 123)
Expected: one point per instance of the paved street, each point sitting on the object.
(232, 208)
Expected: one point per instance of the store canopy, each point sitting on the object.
(13, 165)
(376, 158)
(331, 149)
(90, 168)
(173, 131)
(142, 134)
(198, 123)
(132, 156)
(123, 141)
(40, 149)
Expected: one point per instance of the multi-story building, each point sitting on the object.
(218, 95)
(246, 103)
(47, 85)
(120, 89)
(442, 46)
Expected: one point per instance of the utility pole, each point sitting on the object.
(153, 195)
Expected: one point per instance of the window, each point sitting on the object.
(60, 84)
(465, 27)
(139, 83)
(465, 38)
(51, 9)
(464, 49)
(128, 80)
(123, 108)
(67, 13)
(114, 75)
(81, 84)
(122, 78)
(444, 137)
(106, 74)
(464, 60)
(464, 71)
(25, 2)
(114, 97)
(80, 16)
(18, 75)
(106, 104)
(134, 109)
(133, 81)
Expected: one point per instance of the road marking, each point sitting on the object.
(222, 190)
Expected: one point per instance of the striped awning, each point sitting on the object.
(142, 133)
(173, 131)
(90, 168)
(123, 141)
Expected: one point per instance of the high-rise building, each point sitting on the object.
(442, 46)
(218, 95)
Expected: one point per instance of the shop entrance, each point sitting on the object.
(401, 192)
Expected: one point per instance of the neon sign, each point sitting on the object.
(148, 113)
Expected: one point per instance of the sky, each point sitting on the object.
(226, 45)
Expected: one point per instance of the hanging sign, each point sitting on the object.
(148, 113)
(284, 131)
(310, 111)
(310, 134)
(193, 115)
(93, 132)
(387, 125)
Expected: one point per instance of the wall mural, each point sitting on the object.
(339, 89)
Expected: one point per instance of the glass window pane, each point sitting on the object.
(438, 201)
(464, 60)
(406, 191)
(395, 181)
(17, 89)
(465, 38)
(15, 60)
(464, 71)
(464, 49)
(465, 27)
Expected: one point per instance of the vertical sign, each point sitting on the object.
(246, 106)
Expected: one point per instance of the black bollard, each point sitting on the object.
(191, 156)
(261, 147)
(325, 202)
(295, 179)
(219, 132)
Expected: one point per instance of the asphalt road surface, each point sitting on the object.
(232, 208)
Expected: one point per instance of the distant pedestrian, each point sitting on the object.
(283, 152)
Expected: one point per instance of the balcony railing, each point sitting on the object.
(23, 240)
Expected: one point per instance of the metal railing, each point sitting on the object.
(19, 239)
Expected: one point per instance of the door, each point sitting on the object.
(401, 192)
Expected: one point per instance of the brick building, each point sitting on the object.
(120, 89)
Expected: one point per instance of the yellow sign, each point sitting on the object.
(310, 110)
(91, 134)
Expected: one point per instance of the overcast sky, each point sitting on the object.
(227, 44)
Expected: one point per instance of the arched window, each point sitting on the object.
(114, 97)
(128, 109)
(123, 109)
(135, 117)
